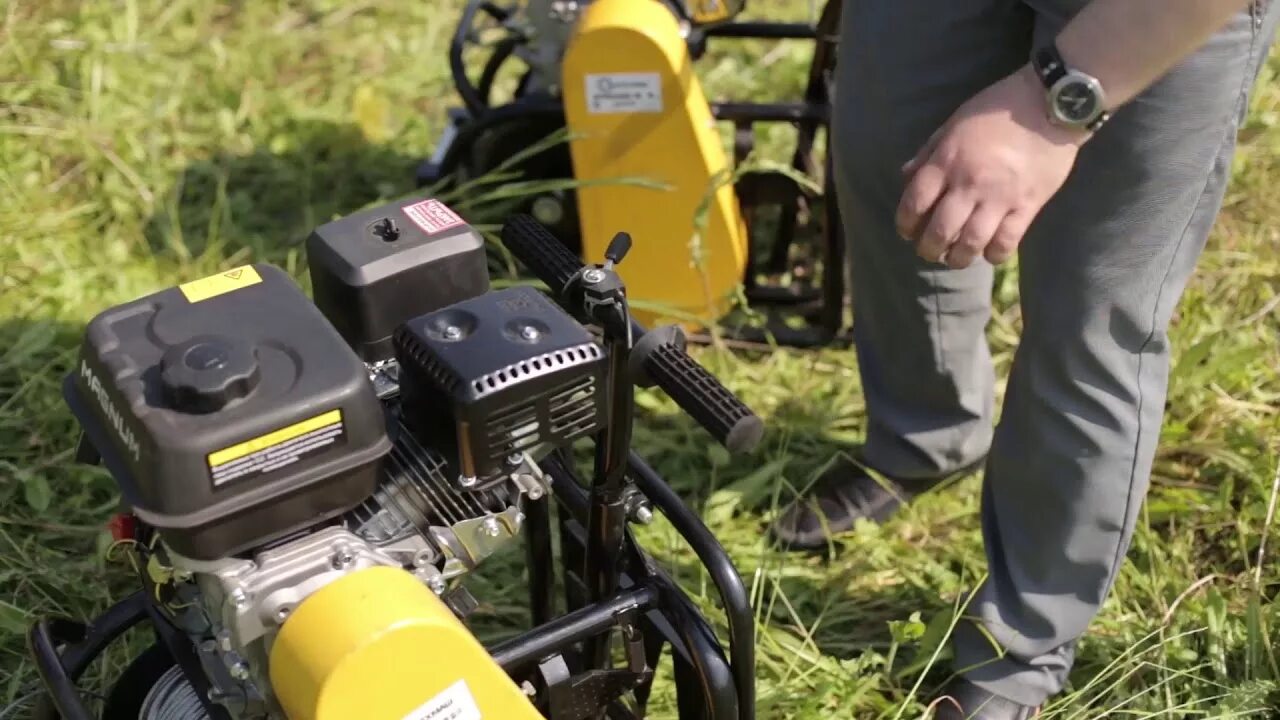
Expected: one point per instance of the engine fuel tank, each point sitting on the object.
(229, 411)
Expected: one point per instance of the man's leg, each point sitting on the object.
(1101, 271)
(903, 69)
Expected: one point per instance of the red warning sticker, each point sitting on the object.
(433, 216)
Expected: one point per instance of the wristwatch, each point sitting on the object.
(1075, 99)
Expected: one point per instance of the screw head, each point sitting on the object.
(282, 613)
(239, 598)
(422, 558)
(437, 584)
(343, 559)
(491, 527)
(240, 670)
(643, 515)
(452, 332)
(534, 492)
(529, 332)
(593, 275)
(467, 481)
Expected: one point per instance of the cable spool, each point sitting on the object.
(172, 698)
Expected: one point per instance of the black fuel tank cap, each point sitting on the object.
(206, 373)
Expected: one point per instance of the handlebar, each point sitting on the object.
(659, 356)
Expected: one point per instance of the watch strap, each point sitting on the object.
(1049, 65)
(1098, 122)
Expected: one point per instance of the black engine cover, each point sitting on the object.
(501, 373)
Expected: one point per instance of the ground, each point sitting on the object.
(147, 142)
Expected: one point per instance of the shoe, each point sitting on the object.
(842, 496)
(962, 700)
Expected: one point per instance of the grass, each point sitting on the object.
(143, 143)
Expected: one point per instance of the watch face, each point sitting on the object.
(1076, 102)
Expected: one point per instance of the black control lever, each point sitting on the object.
(659, 356)
(618, 248)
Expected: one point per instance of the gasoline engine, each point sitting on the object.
(307, 483)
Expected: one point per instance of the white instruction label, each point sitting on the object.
(454, 703)
(624, 93)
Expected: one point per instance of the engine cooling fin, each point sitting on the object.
(415, 493)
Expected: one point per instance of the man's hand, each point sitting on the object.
(975, 187)
(977, 184)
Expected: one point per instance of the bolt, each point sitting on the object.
(515, 459)
(529, 332)
(422, 558)
(528, 689)
(239, 598)
(343, 559)
(593, 276)
(534, 492)
(282, 613)
(436, 583)
(467, 481)
(642, 515)
(240, 670)
(452, 332)
(491, 527)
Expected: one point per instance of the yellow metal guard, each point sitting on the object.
(378, 645)
(638, 111)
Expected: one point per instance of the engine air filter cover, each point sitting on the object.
(513, 370)
(372, 270)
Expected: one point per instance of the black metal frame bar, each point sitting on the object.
(607, 513)
(567, 630)
(713, 678)
(809, 116)
(761, 30)
(82, 644)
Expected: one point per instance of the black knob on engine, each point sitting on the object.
(205, 374)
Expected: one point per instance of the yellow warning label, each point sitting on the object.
(223, 282)
(276, 449)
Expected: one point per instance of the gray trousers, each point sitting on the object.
(1100, 273)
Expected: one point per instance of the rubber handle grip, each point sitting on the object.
(700, 394)
(666, 363)
(540, 251)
